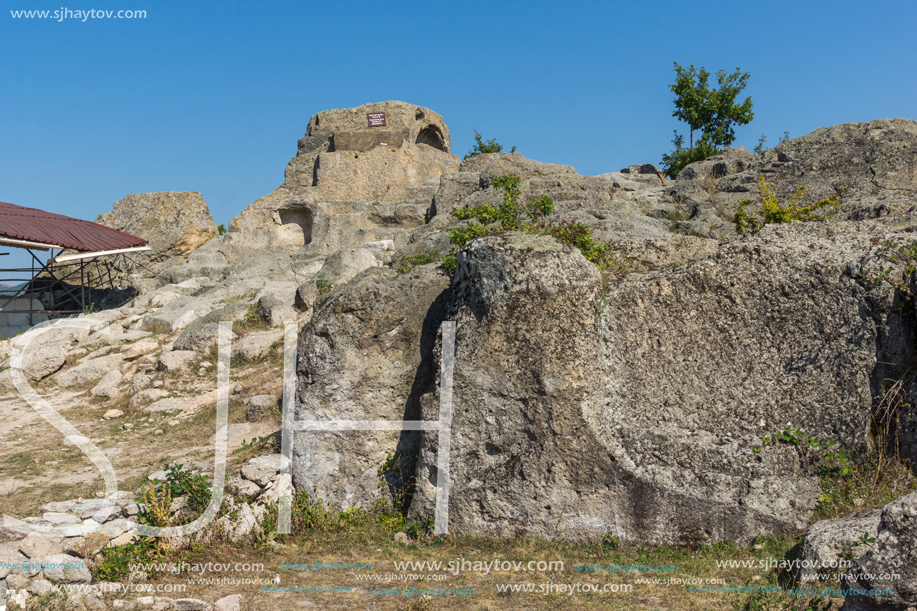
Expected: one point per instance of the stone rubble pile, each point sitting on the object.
(60, 547)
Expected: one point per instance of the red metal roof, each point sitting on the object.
(61, 231)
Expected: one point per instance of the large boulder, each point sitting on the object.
(174, 223)
(365, 355)
(579, 416)
(886, 576)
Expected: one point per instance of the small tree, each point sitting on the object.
(713, 112)
(489, 146)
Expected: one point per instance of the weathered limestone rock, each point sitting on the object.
(525, 372)
(259, 474)
(873, 165)
(57, 518)
(350, 183)
(306, 295)
(345, 264)
(37, 546)
(893, 554)
(500, 164)
(274, 311)
(144, 346)
(175, 360)
(229, 603)
(270, 461)
(174, 223)
(168, 405)
(41, 361)
(245, 523)
(145, 397)
(108, 385)
(276, 488)
(178, 314)
(118, 527)
(40, 587)
(256, 345)
(203, 333)
(826, 542)
(365, 355)
(64, 568)
(86, 547)
(89, 508)
(660, 253)
(650, 461)
(241, 487)
(190, 604)
(17, 582)
(124, 539)
(206, 261)
(89, 371)
(139, 382)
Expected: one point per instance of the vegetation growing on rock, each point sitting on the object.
(531, 217)
(482, 146)
(711, 111)
(772, 211)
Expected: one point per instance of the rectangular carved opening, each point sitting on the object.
(301, 217)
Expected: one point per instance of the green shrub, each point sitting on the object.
(509, 216)
(116, 561)
(761, 147)
(191, 484)
(450, 264)
(675, 162)
(409, 262)
(578, 235)
(512, 216)
(310, 515)
(251, 321)
(712, 111)
(323, 285)
(221, 229)
(481, 146)
(772, 211)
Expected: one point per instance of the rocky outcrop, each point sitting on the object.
(890, 567)
(872, 166)
(365, 355)
(633, 409)
(352, 181)
(174, 223)
(618, 207)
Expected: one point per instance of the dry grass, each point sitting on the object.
(371, 543)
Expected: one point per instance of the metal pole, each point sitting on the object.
(50, 284)
(82, 287)
(32, 293)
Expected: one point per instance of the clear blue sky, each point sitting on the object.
(212, 96)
